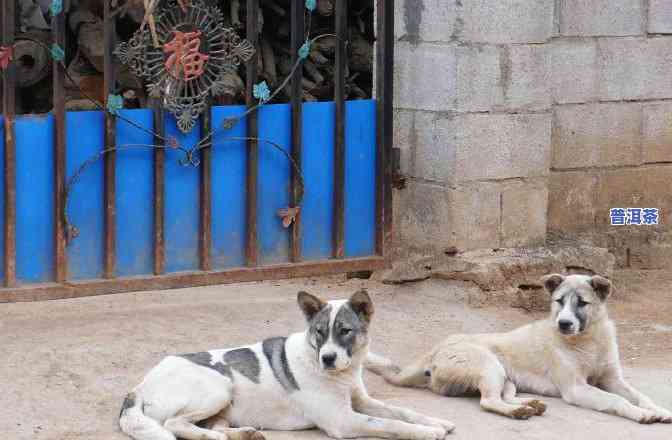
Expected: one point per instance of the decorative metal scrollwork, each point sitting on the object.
(194, 53)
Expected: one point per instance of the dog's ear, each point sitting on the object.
(360, 302)
(552, 282)
(601, 286)
(309, 304)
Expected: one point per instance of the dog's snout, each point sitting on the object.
(329, 359)
(565, 324)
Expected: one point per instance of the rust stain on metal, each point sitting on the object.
(297, 39)
(339, 135)
(205, 230)
(9, 132)
(78, 289)
(109, 37)
(60, 255)
(251, 241)
(289, 216)
(159, 188)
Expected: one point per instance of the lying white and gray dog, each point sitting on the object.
(309, 379)
(572, 354)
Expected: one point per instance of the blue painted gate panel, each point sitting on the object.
(275, 125)
(182, 203)
(34, 199)
(317, 212)
(84, 139)
(229, 174)
(360, 178)
(135, 196)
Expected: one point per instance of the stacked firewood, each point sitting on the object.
(85, 51)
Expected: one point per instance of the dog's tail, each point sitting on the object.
(413, 375)
(137, 425)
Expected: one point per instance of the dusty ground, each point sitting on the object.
(67, 364)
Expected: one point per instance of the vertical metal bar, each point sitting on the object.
(339, 156)
(159, 188)
(205, 238)
(384, 115)
(298, 38)
(109, 37)
(58, 34)
(252, 131)
(9, 108)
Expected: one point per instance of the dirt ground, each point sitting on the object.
(66, 365)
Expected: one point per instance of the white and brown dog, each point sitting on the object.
(573, 354)
(309, 379)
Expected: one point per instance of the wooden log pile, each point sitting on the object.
(85, 52)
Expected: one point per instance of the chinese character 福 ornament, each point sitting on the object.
(189, 65)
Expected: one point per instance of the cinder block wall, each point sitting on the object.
(524, 119)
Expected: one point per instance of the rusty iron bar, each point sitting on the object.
(252, 250)
(297, 40)
(59, 37)
(77, 289)
(109, 41)
(159, 188)
(9, 111)
(341, 14)
(205, 232)
(384, 130)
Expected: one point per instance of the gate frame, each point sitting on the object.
(63, 288)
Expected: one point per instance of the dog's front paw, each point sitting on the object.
(664, 416)
(438, 433)
(648, 417)
(523, 412)
(257, 436)
(538, 405)
(445, 424)
(244, 434)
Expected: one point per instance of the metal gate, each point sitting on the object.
(139, 219)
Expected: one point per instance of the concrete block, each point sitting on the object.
(660, 16)
(479, 84)
(403, 121)
(424, 20)
(572, 197)
(634, 68)
(424, 77)
(427, 145)
(573, 67)
(499, 146)
(507, 21)
(435, 149)
(475, 215)
(524, 208)
(422, 217)
(596, 135)
(601, 17)
(502, 78)
(526, 77)
(657, 141)
(642, 187)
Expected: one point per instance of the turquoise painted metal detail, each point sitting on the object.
(56, 7)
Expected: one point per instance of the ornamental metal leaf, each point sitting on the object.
(190, 63)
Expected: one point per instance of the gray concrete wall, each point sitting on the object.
(524, 119)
